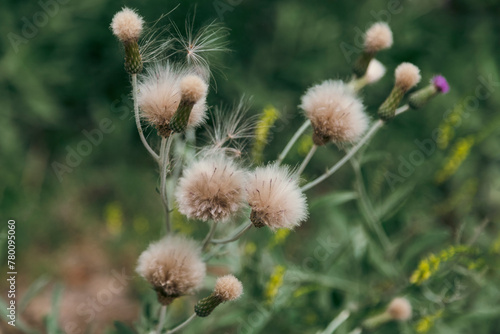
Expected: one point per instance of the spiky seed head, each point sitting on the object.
(193, 88)
(275, 198)
(407, 76)
(399, 309)
(212, 188)
(336, 113)
(173, 266)
(228, 288)
(378, 37)
(376, 70)
(159, 97)
(127, 25)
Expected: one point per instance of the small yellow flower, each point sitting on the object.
(274, 284)
(269, 115)
(458, 154)
(250, 248)
(279, 237)
(427, 322)
(305, 144)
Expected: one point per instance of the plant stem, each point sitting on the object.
(356, 331)
(166, 144)
(339, 320)
(292, 141)
(375, 127)
(181, 326)
(209, 236)
(138, 119)
(307, 159)
(235, 237)
(161, 322)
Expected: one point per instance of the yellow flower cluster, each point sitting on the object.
(113, 216)
(279, 237)
(447, 126)
(458, 154)
(427, 322)
(495, 248)
(269, 115)
(430, 265)
(274, 284)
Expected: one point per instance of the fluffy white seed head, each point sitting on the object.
(378, 37)
(212, 188)
(193, 88)
(228, 288)
(407, 76)
(336, 113)
(173, 266)
(275, 198)
(160, 94)
(127, 25)
(399, 309)
(375, 71)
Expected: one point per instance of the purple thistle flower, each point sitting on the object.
(441, 84)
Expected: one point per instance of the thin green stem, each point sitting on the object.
(209, 236)
(138, 119)
(308, 158)
(375, 127)
(236, 235)
(292, 141)
(166, 144)
(161, 322)
(339, 320)
(181, 326)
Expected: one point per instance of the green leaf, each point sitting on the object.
(392, 203)
(333, 199)
(33, 290)
(53, 318)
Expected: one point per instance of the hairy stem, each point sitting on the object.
(166, 144)
(236, 235)
(181, 326)
(138, 119)
(292, 141)
(308, 158)
(161, 322)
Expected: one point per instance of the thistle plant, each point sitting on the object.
(218, 184)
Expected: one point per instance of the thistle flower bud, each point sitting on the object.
(173, 266)
(377, 37)
(192, 88)
(227, 288)
(399, 309)
(336, 113)
(211, 189)
(275, 198)
(127, 27)
(159, 92)
(407, 76)
(376, 70)
(421, 97)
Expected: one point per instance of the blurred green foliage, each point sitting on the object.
(68, 76)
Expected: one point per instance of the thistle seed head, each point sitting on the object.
(173, 266)
(275, 198)
(336, 113)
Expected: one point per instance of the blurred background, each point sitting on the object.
(81, 229)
